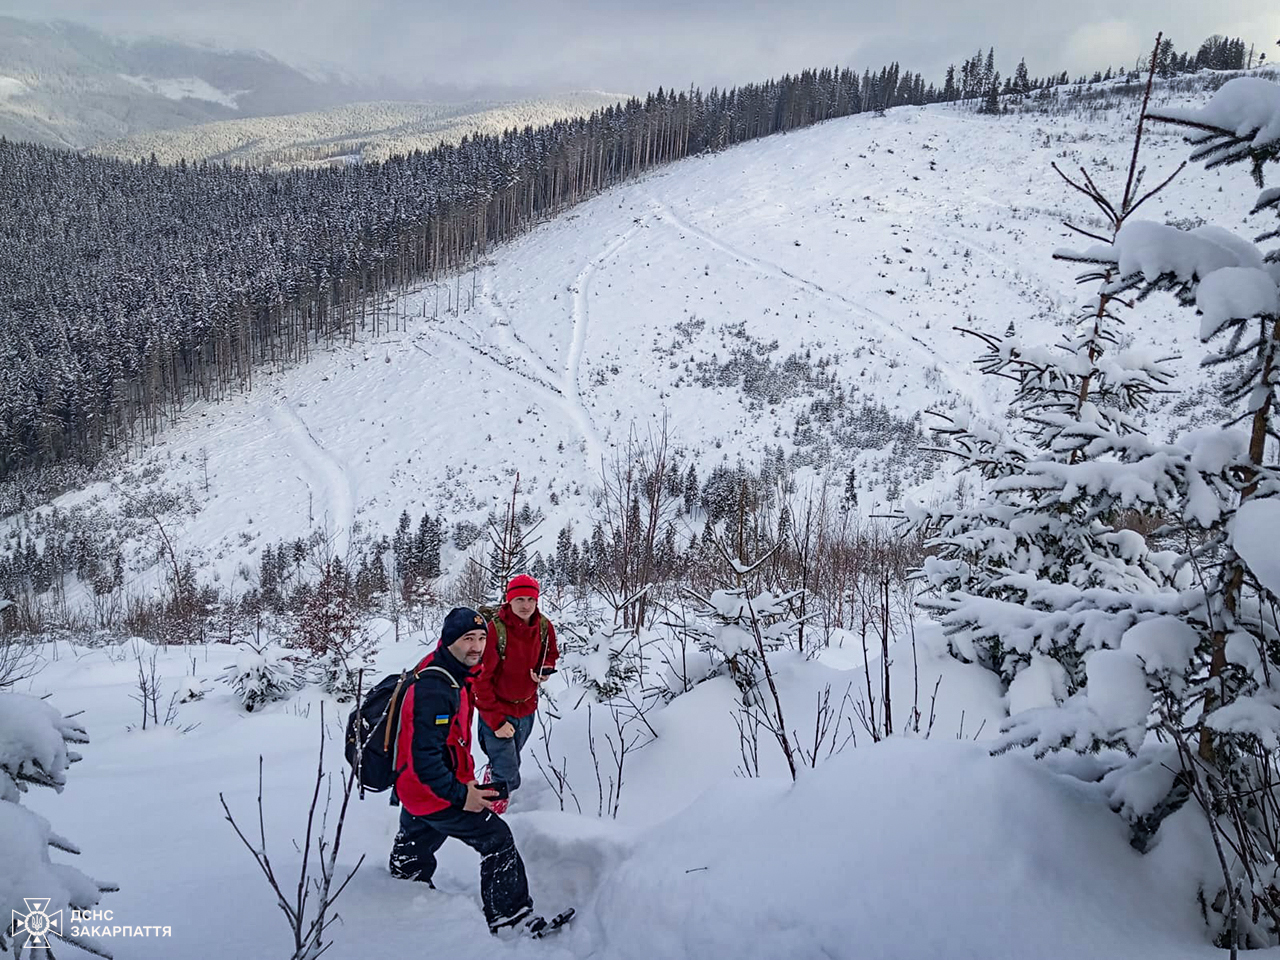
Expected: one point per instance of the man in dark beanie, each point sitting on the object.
(520, 654)
(437, 785)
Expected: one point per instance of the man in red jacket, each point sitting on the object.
(436, 785)
(520, 654)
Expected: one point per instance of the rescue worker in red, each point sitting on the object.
(437, 786)
(520, 654)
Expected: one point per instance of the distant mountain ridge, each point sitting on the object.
(66, 85)
(355, 132)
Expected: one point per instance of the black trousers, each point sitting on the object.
(504, 888)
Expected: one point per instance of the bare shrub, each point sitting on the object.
(309, 908)
(18, 657)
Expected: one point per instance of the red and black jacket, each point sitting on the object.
(433, 748)
(504, 688)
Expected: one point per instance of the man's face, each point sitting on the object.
(469, 648)
(523, 607)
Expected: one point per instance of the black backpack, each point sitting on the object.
(374, 726)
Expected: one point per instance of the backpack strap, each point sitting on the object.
(393, 707)
(433, 668)
(393, 711)
(500, 629)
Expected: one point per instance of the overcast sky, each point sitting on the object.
(632, 47)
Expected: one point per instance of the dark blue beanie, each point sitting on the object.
(458, 621)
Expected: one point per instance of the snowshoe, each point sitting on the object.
(539, 928)
(514, 925)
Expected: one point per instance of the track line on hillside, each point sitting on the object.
(337, 493)
(574, 414)
(498, 359)
(515, 357)
(507, 332)
(960, 384)
(581, 325)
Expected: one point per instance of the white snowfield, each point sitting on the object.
(865, 240)
(12, 87)
(905, 849)
(181, 88)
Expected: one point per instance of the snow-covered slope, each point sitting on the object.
(903, 850)
(855, 248)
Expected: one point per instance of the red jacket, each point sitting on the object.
(433, 747)
(504, 687)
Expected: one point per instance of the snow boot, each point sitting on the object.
(535, 927)
(400, 868)
(513, 925)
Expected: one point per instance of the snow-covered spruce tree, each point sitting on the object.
(1203, 681)
(1044, 582)
(740, 624)
(261, 674)
(603, 661)
(34, 750)
(330, 631)
(1229, 748)
(1043, 568)
(1235, 287)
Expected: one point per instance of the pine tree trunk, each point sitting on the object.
(1234, 569)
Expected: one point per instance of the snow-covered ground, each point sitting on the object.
(904, 849)
(865, 241)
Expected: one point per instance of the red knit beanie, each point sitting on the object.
(522, 586)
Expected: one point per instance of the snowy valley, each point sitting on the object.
(68, 85)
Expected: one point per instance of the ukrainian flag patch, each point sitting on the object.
(442, 719)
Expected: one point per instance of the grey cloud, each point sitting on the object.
(616, 45)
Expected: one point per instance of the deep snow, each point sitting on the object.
(903, 849)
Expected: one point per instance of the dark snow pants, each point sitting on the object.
(503, 885)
